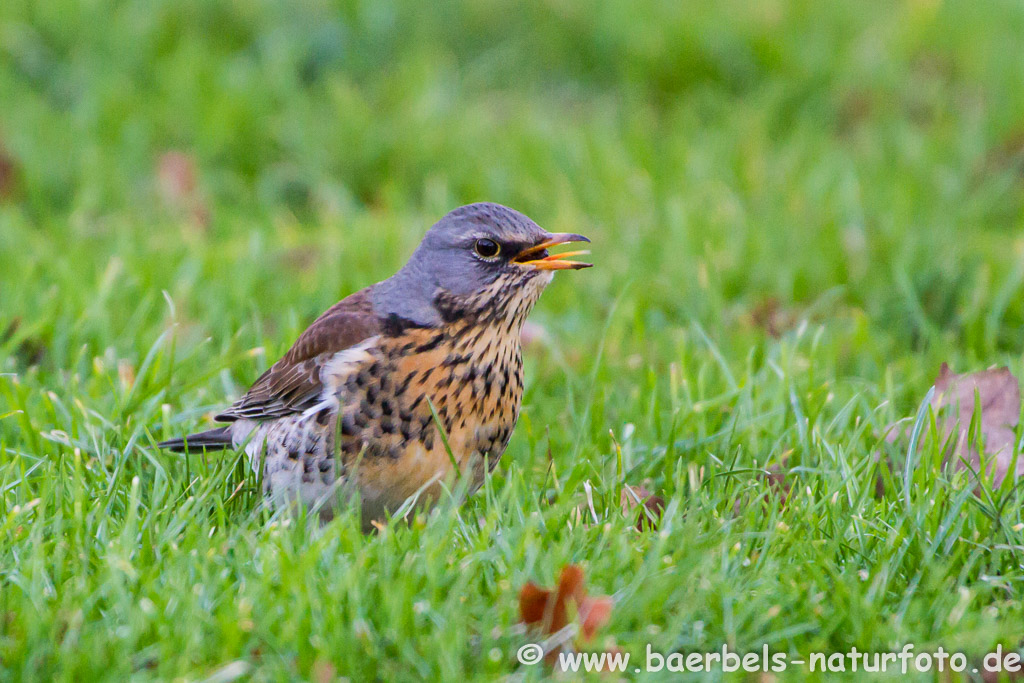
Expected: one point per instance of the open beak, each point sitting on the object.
(537, 256)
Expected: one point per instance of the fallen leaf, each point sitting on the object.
(30, 350)
(594, 613)
(547, 611)
(323, 671)
(652, 506)
(8, 173)
(1006, 155)
(302, 259)
(855, 107)
(126, 374)
(776, 478)
(771, 317)
(998, 392)
(177, 179)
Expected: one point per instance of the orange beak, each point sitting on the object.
(538, 258)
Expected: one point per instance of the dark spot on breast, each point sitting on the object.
(368, 409)
(400, 389)
(430, 345)
(324, 465)
(348, 426)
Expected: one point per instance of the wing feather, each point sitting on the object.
(293, 384)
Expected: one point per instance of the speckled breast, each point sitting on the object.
(390, 445)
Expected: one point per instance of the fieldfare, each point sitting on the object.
(356, 404)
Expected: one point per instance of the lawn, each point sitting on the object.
(799, 211)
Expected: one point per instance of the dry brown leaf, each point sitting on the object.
(323, 671)
(8, 173)
(775, 477)
(593, 614)
(177, 179)
(30, 350)
(998, 391)
(652, 508)
(547, 611)
(772, 317)
(126, 374)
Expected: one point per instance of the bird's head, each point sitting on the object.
(482, 260)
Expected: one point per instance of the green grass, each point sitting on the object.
(861, 164)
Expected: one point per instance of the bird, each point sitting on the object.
(405, 384)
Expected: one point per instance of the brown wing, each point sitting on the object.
(292, 384)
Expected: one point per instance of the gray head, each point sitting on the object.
(478, 257)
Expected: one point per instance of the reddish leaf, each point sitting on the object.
(775, 476)
(631, 497)
(323, 671)
(534, 605)
(547, 611)
(177, 178)
(771, 317)
(8, 174)
(652, 506)
(570, 583)
(998, 392)
(594, 613)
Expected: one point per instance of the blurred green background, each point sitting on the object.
(799, 210)
(721, 152)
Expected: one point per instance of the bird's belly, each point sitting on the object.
(386, 482)
(297, 458)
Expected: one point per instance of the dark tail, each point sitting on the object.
(213, 440)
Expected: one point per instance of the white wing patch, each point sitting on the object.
(337, 370)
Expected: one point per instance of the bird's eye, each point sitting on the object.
(486, 248)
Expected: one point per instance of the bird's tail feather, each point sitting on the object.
(212, 440)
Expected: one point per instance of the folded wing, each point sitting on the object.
(293, 383)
